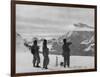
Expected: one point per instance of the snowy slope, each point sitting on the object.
(20, 43)
(90, 44)
(24, 63)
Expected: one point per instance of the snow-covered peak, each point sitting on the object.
(83, 27)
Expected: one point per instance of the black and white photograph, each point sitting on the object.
(53, 38)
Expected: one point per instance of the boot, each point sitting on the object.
(37, 65)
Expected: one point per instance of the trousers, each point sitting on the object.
(45, 61)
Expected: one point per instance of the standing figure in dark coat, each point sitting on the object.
(36, 57)
(35, 52)
(66, 52)
(45, 54)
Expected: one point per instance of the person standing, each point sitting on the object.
(66, 52)
(35, 52)
(45, 54)
(36, 57)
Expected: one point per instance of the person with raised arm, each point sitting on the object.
(66, 52)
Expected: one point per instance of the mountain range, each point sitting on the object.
(82, 41)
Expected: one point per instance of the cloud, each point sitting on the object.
(35, 19)
(47, 14)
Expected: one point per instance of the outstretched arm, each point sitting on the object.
(27, 45)
(69, 43)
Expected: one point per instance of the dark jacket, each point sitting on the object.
(66, 49)
(35, 50)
